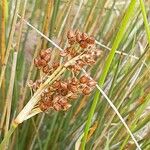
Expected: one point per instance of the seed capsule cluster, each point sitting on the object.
(61, 92)
(81, 44)
(42, 62)
(59, 95)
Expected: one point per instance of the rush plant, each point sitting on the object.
(74, 74)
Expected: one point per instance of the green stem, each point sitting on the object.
(120, 34)
(145, 20)
(8, 135)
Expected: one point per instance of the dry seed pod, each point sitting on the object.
(42, 63)
(90, 40)
(63, 53)
(84, 79)
(91, 83)
(73, 96)
(55, 65)
(48, 51)
(84, 36)
(57, 107)
(70, 34)
(56, 85)
(62, 102)
(36, 62)
(46, 69)
(63, 85)
(83, 44)
(47, 58)
(44, 105)
(78, 37)
(86, 91)
(81, 63)
(43, 53)
(71, 41)
(74, 81)
(66, 107)
(72, 88)
(64, 92)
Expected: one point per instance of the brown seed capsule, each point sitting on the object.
(57, 106)
(86, 91)
(78, 37)
(56, 85)
(90, 61)
(55, 65)
(84, 36)
(74, 81)
(63, 53)
(42, 63)
(38, 82)
(47, 58)
(36, 62)
(83, 44)
(49, 95)
(63, 85)
(90, 40)
(72, 88)
(30, 83)
(70, 34)
(73, 53)
(68, 50)
(43, 53)
(76, 68)
(48, 51)
(64, 92)
(81, 63)
(42, 106)
(66, 107)
(71, 41)
(62, 101)
(46, 69)
(73, 96)
(91, 83)
(84, 79)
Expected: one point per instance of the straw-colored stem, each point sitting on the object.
(10, 92)
(47, 21)
(3, 29)
(9, 42)
(3, 42)
(13, 72)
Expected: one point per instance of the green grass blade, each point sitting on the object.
(123, 26)
(145, 20)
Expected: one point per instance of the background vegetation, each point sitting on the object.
(122, 33)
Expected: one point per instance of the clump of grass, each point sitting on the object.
(47, 76)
